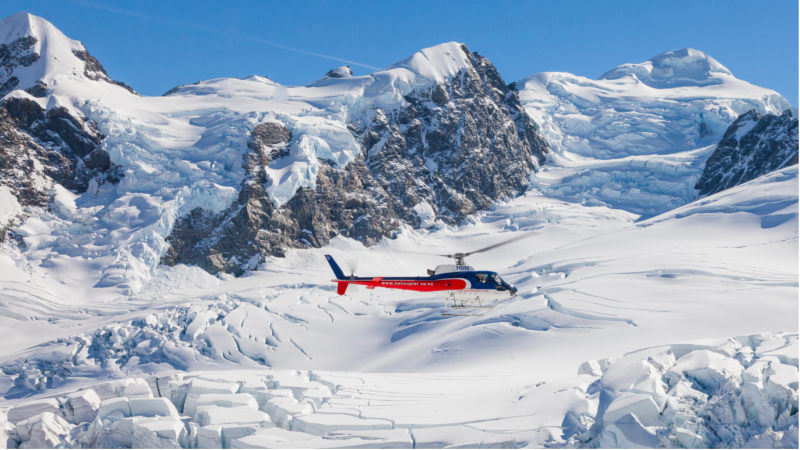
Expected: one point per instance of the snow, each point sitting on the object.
(82, 406)
(425, 213)
(683, 67)
(44, 430)
(9, 207)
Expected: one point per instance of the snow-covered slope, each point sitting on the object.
(667, 110)
(593, 286)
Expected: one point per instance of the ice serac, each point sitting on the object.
(752, 146)
(440, 128)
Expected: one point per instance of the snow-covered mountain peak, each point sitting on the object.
(24, 24)
(437, 63)
(36, 54)
(682, 67)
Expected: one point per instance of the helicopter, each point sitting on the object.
(462, 285)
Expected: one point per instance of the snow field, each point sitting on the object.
(593, 284)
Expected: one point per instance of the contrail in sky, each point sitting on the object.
(216, 31)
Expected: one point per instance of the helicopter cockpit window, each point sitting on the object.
(496, 279)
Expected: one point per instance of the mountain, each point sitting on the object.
(452, 141)
(47, 143)
(752, 146)
(637, 138)
(34, 54)
(224, 172)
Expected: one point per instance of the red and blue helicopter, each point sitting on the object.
(461, 283)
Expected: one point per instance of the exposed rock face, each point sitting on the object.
(455, 148)
(343, 203)
(19, 52)
(752, 146)
(459, 147)
(39, 148)
(340, 72)
(95, 71)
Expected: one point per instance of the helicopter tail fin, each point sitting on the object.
(341, 286)
(336, 269)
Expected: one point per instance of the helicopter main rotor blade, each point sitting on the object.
(462, 255)
(498, 244)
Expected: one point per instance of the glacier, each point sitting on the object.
(278, 357)
(645, 317)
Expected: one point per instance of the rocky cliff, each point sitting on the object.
(752, 146)
(44, 140)
(40, 148)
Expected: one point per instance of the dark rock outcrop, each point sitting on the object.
(17, 53)
(95, 71)
(340, 72)
(752, 146)
(38, 148)
(460, 146)
(344, 202)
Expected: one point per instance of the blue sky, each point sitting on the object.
(155, 45)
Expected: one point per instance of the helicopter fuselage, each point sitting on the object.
(463, 278)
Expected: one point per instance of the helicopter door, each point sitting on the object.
(498, 283)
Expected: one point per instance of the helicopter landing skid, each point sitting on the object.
(461, 306)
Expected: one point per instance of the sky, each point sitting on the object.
(156, 45)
